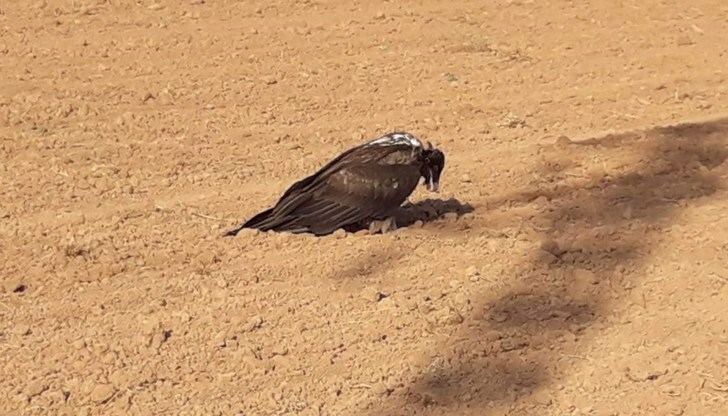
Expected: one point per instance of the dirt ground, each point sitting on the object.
(574, 263)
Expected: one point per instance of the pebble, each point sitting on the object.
(158, 339)
(541, 200)
(219, 339)
(383, 389)
(102, 393)
(255, 323)
(449, 316)
(269, 80)
(279, 350)
(551, 246)
(465, 178)
(377, 295)
(563, 141)
(35, 388)
(14, 285)
(21, 329)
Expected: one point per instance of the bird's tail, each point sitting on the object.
(254, 222)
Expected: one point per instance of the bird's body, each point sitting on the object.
(364, 184)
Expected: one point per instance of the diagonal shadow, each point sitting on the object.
(597, 230)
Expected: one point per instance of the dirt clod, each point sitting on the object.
(102, 393)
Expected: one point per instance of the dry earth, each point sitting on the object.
(575, 263)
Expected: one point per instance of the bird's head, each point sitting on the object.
(433, 162)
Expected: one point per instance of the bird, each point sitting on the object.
(363, 186)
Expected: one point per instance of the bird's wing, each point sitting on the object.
(360, 185)
(331, 166)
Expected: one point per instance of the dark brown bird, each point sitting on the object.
(365, 185)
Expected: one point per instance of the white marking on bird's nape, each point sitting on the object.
(393, 139)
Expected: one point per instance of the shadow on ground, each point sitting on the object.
(382, 256)
(423, 212)
(430, 210)
(595, 229)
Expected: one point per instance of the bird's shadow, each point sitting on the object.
(422, 212)
(429, 210)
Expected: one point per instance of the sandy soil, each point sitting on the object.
(575, 263)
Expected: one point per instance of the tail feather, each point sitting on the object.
(265, 221)
(254, 222)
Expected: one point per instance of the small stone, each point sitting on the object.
(563, 141)
(35, 388)
(472, 271)
(380, 16)
(254, 323)
(159, 338)
(382, 389)
(102, 393)
(269, 80)
(219, 340)
(465, 178)
(512, 344)
(279, 350)
(377, 296)
(551, 246)
(14, 285)
(21, 329)
(449, 316)
(425, 308)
